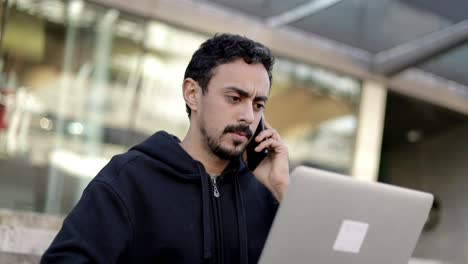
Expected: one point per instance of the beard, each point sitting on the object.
(225, 152)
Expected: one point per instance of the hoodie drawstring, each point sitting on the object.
(243, 241)
(207, 254)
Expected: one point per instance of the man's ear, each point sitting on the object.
(191, 91)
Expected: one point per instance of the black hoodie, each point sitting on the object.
(155, 204)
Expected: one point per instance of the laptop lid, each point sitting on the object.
(328, 218)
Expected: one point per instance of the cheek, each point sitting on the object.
(211, 106)
(217, 114)
(214, 111)
(212, 122)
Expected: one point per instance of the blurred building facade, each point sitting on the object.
(82, 81)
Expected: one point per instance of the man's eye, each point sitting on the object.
(234, 99)
(260, 106)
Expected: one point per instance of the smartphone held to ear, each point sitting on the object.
(254, 158)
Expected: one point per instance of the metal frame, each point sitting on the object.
(299, 12)
(296, 44)
(399, 58)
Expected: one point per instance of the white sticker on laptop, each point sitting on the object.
(351, 236)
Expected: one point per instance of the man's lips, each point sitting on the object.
(239, 131)
(240, 134)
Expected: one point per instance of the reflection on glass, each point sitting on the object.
(80, 88)
(315, 112)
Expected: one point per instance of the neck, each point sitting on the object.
(193, 144)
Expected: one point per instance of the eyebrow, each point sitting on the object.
(243, 93)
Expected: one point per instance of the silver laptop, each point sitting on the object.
(327, 218)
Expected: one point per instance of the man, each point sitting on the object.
(194, 201)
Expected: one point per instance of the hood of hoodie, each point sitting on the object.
(166, 148)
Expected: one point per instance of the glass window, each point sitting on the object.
(81, 83)
(315, 111)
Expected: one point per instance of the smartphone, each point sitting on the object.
(254, 158)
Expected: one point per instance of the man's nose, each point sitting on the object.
(247, 114)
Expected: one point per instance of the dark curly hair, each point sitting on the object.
(225, 48)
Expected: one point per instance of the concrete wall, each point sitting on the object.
(24, 236)
(22, 184)
(439, 165)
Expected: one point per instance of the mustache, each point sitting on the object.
(238, 128)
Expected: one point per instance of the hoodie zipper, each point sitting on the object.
(215, 186)
(217, 220)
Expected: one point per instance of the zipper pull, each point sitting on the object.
(215, 187)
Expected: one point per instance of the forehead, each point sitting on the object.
(252, 77)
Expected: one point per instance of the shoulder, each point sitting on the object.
(111, 173)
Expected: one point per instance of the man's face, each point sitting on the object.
(232, 107)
